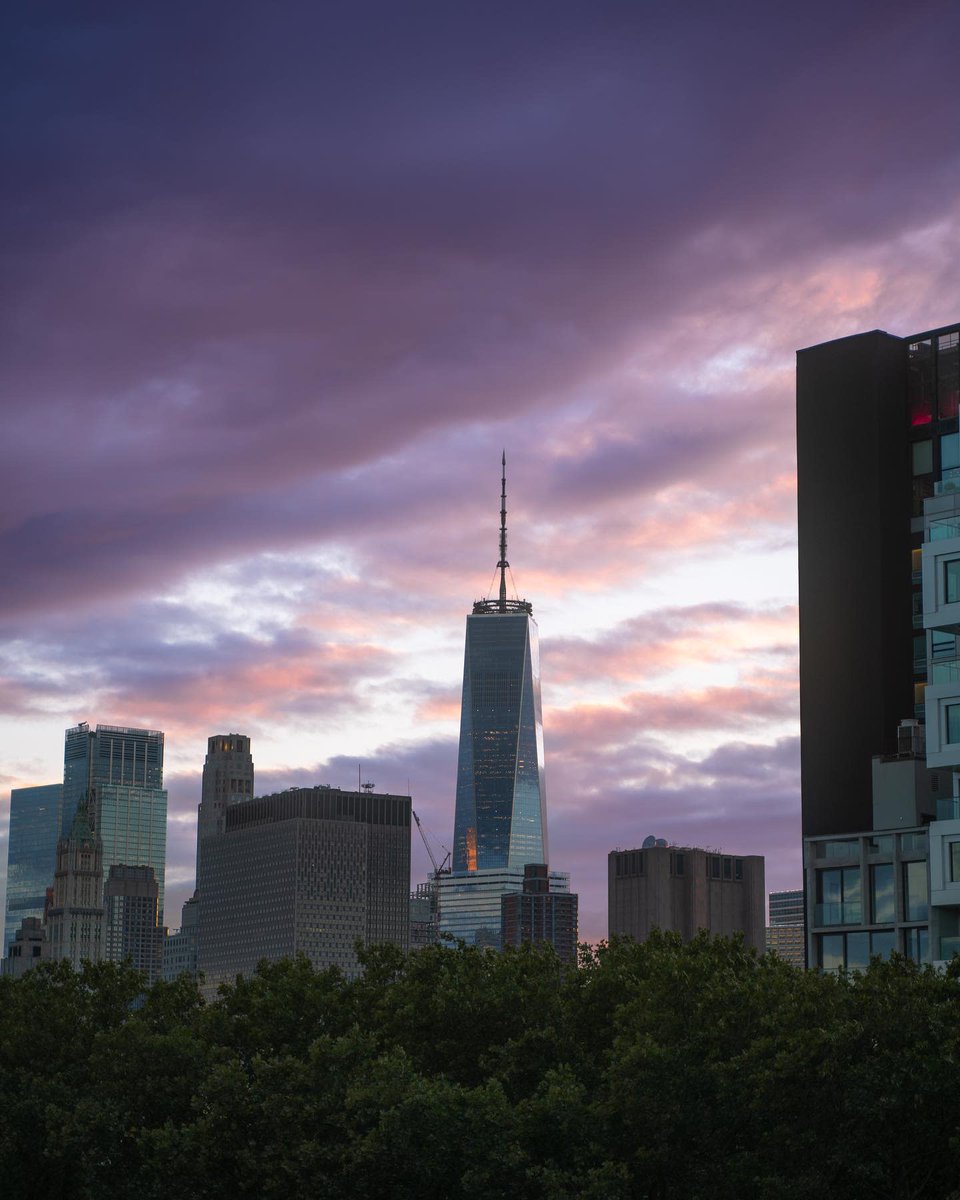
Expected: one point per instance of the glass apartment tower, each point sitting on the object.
(501, 818)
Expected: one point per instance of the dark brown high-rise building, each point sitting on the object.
(876, 428)
(538, 916)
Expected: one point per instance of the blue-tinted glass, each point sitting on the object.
(831, 951)
(951, 581)
(882, 898)
(953, 723)
(500, 810)
(31, 853)
(915, 891)
(858, 951)
(883, 943)
(950, 451)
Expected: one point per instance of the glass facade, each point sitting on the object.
(501, 802)
(132, 824)
(883, 901)
(110, 754)
(470, 907)
(31, 854)
(915, 891)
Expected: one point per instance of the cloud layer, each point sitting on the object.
(281, 283)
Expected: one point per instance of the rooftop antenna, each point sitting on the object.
(502, 565)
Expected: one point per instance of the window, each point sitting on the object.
(952, 713)
(951, 581)
(738, 868)
(858, 951)
(882, 899)
(883, 943)
(915, 891)
(950, 448)
(943, 645)
(727, 869)
(923, 457)
(955, 862)
(838, 896)
(831, 952)
(916, 944)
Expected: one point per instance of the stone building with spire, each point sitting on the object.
(74, 919)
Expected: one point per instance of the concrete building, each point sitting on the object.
(425, 914)
(879, 550)
(685, 889)
(227, 779)
(132, 933)
(786, 931)
(31, 853)
(180, 945)
(538, 916)
(26, 948)
(74, 917)
(308, 870)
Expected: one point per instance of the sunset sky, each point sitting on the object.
(281, 281)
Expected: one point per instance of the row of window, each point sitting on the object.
(853, 951)
(840, 901)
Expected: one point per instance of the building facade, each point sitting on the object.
(130, 910)
(109, 754)
(879, 551)
(538, 916)
(31, 853)
(471, 902)
(227, 779)
(26, 949)
(787, 931)
(180, 945)
(309, 870)
(685, 889)
(74, 918)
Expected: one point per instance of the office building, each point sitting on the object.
(425, 914)
(309, 870)
(786, 931)
(180, 945)
(26, 948)
(120, 770)
(500, 823)
(130, 909)
(879, 552)
(31, 853)
(111, 754)
(684, 889)
(538, 916)
(74, 916)
(227, 779)
(471, 902)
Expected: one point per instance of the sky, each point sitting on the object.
(281, 282)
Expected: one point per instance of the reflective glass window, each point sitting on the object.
(858, 951)
(943, 645)
(838, 896)
(948, 375)
(953, 723)
(923, 457)
(883, 943)
(882, 898)
(920, 382)
(915, 891)
(950, 450)
(831, 951)
(954, 862)
(916, 944)
(951, 581)
(919, 648)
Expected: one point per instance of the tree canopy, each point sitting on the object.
(656, 1070)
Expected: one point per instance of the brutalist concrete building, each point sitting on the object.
(308, 870)
(685, 889)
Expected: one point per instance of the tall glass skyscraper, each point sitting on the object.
(31, 853)
(501, 817)
(120, 769)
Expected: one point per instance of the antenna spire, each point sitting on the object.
(503, 564)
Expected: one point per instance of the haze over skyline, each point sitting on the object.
(283, 280)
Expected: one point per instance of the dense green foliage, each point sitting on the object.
(656, 1070)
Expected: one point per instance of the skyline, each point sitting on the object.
(284, 284)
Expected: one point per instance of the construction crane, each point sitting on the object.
(443, 868)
